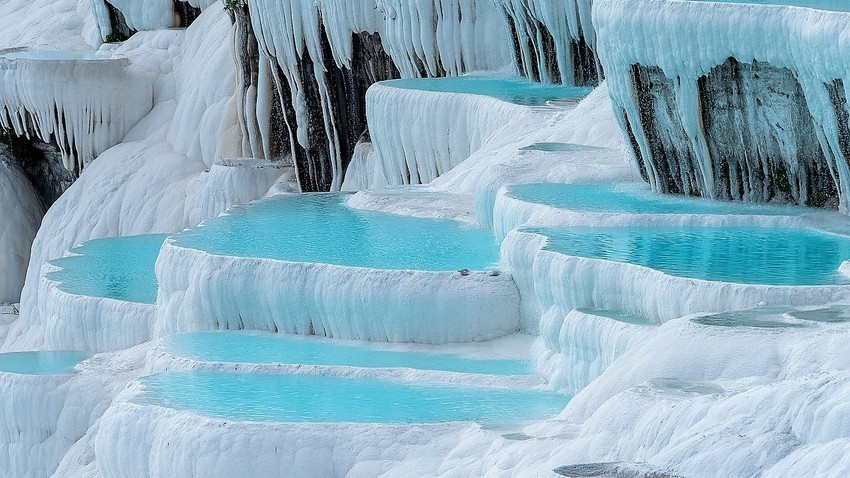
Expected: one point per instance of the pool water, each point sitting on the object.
(238, 347)
(616, 315)
(776, 317)
(41, 363)
(828, 315)
(835, 5)
(557, 147)
(52, 55)
(764, 318)
(120, 268)
(773, 256)
(511, 89)
(320, 228)
(635, 198)
(684, 387)
(315, 398)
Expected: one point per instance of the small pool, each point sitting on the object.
(772, 256)
(119, 268)
(834, 5)
(54, 55)
(776, 317)
(321, 228)
(684, 387)
(511, 89)
(238, 347)
(41, 363)
(827, 315)
(635, 198)
(557, 147)
(616, 316)
(315, 398)
(765, 318)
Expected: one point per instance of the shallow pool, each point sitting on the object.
(239, 347)
(741, 255)
(511, 89)
(616, 316)
(315, 398)
(635, 198)
(776, 317)
(52, 55)
(829, 315)
(762, 318)
(119, 268)
(320, 228)
(548, 147)
(41, 363)
(835, 5)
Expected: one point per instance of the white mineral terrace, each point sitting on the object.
(501, 295)
(83, 102)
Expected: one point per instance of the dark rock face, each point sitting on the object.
(761, 136)
(756, 142)
(671, 161)
(41, 163)
(187, 13)
(838, 98)
(536, 50)
(333, 127)
(120, 30)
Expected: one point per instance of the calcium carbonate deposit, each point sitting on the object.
(424, 238)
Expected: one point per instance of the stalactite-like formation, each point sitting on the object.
(306, 66)
(554, 42)
(82, 103)
(726, 114)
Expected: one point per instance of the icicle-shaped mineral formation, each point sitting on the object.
(554, 42)
(306, 66)
(714, 109)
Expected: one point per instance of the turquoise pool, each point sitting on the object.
(41, 363)
(119, 268)
(240, 347)
(315, 398)
(634, 198)
(511, 89)
(320, 228)
(835, 5)
(773, 256)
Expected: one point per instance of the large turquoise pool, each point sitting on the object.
(835, 5)
(241, 347)
(634, 198)
(742, 255)
(41, 363)
(315, 398)
(320, 228)
(119, 268)
(511, 89)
